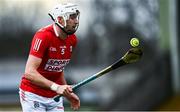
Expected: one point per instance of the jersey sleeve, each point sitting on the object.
(39, 44)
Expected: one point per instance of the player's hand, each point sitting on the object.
(64, 90)
(74, 101)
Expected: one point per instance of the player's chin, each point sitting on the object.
(70, 32)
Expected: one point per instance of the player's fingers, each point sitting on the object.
(70, 89)
(67, 92)
(75, 107)
(78, 105)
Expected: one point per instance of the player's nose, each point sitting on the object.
(76, 21)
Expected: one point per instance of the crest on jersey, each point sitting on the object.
(53, 49)
(36, 104)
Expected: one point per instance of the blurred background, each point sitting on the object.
(106, 27)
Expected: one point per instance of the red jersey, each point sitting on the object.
(55, 54)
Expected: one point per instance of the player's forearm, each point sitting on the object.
(33, 75)
(37, 79)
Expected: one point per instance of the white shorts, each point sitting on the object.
(31, 102)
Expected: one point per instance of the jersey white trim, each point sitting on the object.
(55, 30)
(37, 44)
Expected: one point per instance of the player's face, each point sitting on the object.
(72, 24)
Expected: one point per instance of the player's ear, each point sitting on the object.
(61, 20)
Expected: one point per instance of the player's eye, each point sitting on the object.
(73, 16)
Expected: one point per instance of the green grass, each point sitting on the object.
(17, 107)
